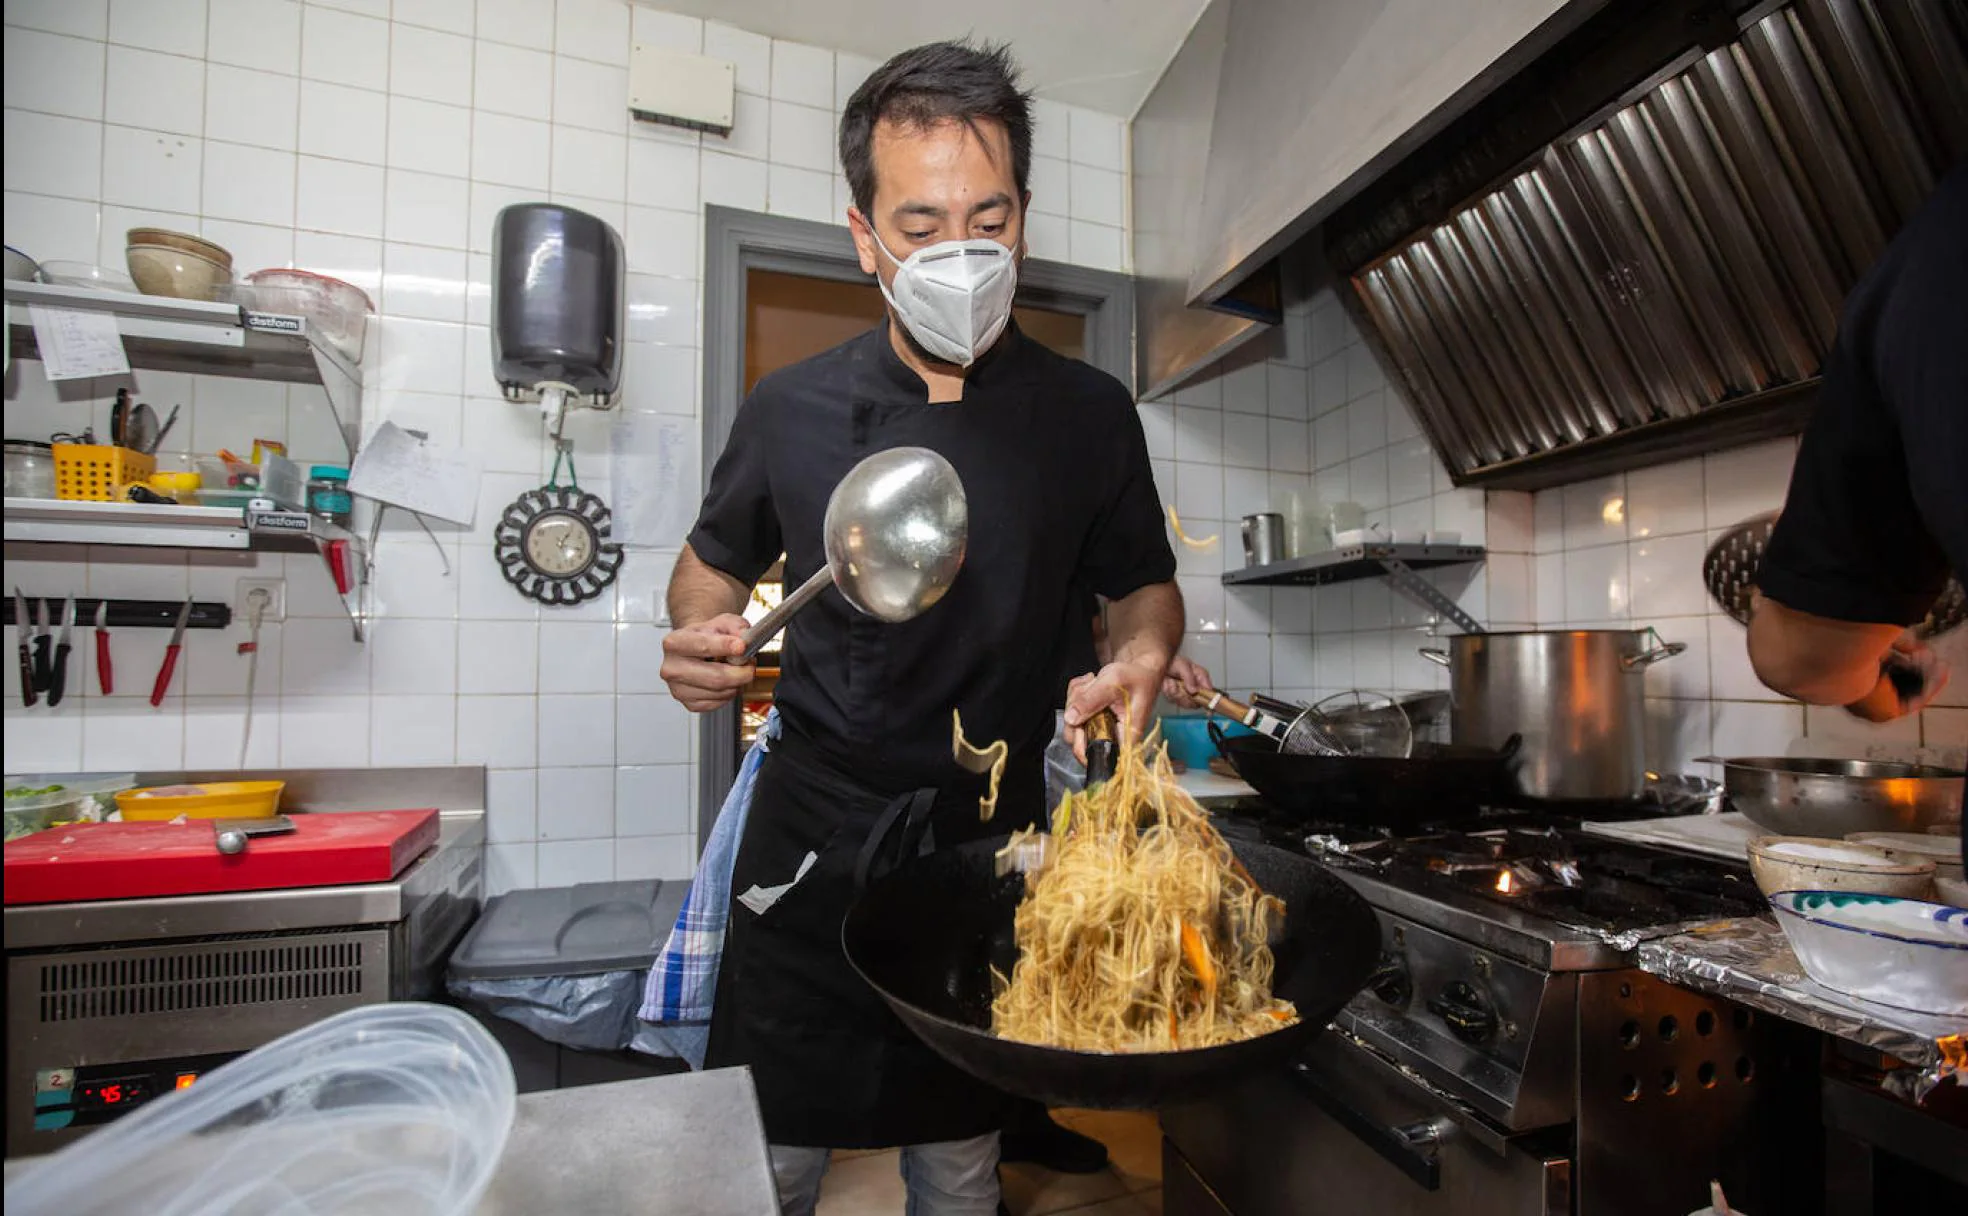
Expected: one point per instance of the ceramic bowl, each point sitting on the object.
(183, 242)
(1943, 851)
(1813, 863)
(161, 270)
(1906, 953)
(1951, 890)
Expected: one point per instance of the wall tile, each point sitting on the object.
(498, 730)
(652, 729)
(1249, 661)
(1291, 446)
(577, 729)
(655, 800)
(1051, 121)
(453, 16)
(669, 31)
(1246, 389)
(410, 657)
(593, 29)
(802, 74)
(564, 863)
(54, 155)
(515, 80)
(342, 122)
(1730, 674)
(511, 804)
(251, 184)
(662, 174)
(802, 137)
(248, 107)
(173, 26)
(670, 858)
(526, 23)
(413, 730)
(215, 727)
(430, 65)
(1597, 585)
(800, 193)
(851, 70)
(425, 209)
(591, 95)
(53, 74)
(1286, 392)
(1097, 195)
(1594, 512)
(750, 53)
(344, 48)
(1743, 482)
(1666, 500)
(324, 731)
(1097, 139)
(496, 656)
(161, 92)
(576, 803)
(80, 18)
(430, 137)
(1758, 730)
(1666, 573)
(510, 152)
(510, 867)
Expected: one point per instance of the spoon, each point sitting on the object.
(895, 532)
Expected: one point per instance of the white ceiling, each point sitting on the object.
(1103, 54)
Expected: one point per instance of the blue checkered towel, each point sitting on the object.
(676, 1003)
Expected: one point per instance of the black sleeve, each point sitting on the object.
(738, 527)
(1880, 490)
(1128, 546)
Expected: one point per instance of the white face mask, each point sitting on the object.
(955, 296)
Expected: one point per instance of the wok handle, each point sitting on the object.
(1222, 703)
(1438, 657)
(772, 622)
(1102, 749)
(1406, 1148)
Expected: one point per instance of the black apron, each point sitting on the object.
(834, 1068)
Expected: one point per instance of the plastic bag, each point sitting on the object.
(587, 1012)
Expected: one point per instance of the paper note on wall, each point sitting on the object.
(398, 468)
(653, 476)
(77, 343)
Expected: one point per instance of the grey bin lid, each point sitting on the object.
(584, 929)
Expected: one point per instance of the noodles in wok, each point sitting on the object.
(1140, 932)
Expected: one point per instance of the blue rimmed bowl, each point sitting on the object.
(1906, 953)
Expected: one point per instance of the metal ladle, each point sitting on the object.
(895, 531)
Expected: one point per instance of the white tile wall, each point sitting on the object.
(1617, 552)
(374, 140)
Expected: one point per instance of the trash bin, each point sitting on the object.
(556, 974)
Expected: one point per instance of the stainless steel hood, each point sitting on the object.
(1679, 262)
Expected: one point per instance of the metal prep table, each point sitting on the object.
(133, 997)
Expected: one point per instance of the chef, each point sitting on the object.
(1878, 507)
(936, 146)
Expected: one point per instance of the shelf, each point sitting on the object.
(1350, 563)
(204, 338)
(62, 522)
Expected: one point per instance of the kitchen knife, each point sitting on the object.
(43, 644)
(58, 670)
(105, 678)
(22, 629)
(170, 656)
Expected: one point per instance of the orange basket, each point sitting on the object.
(97, 472)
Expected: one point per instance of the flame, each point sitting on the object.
(1506, 883)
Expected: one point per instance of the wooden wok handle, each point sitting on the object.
(1222, 703)
(1102, 749)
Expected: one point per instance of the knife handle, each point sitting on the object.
(164, 674)
(58, 675)
(27, 676)
(105, 675)
(43, 670)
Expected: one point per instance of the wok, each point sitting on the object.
(1806, 797)
(926, 937)
(1436, 781)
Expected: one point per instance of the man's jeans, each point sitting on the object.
(950, 1178)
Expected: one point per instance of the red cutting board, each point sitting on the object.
(133, 860)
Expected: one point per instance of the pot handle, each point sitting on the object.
(1647, 658)
(1439, 657)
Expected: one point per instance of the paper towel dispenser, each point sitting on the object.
(558, 288)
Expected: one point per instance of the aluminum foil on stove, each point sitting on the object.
(1750, 961)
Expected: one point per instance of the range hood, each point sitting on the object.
(1665, 277)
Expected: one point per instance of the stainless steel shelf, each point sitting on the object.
(62, 522)
(1353, 562)
(205, 338)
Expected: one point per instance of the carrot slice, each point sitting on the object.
(1194, 949)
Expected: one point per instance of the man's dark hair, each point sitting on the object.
(939, 82)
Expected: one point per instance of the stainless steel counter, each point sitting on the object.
(692, 1144)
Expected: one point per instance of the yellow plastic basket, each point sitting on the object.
(220, 800)
(97, 472)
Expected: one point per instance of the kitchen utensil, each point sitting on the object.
(161, 270)
(105, 673)
(1810, 797)
(213, 800)
(895, 531)
(336, 310)
(135, 860)
(928, 936)
(30, 469)
(401, 1108)
(119, 418)
(58, 666)
(1943, 851)
(1815, 863)
(44, 654)
(140, 429)
(1906, 953)
(1436, 782)
(1732, 563)
(1366, 724)
(86, 274)
(164, 430)
(1577, 696)
(1264, 538)
(233, 835)
(182, 241)
(1296, 728)
(29, 693)
(170, 664)
(20, 267)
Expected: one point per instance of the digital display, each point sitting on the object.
(185, 1079)
(111, 1093)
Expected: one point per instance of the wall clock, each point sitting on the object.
(552, 544)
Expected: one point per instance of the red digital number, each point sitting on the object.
(112, 1094)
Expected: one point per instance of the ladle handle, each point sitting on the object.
(772, 622)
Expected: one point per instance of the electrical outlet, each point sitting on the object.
(276, 609)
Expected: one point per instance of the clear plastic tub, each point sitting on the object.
(400, 1108)
(38, 801)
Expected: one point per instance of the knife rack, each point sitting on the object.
(126, 614)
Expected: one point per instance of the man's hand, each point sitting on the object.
(1127, 687)
(1910, 676)
(1186, 679)
(697, 666)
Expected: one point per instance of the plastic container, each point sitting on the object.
(397, 1108)
(38, 801)
(30, 469)
(1188, 738)
(216, 800)
(338, 311)
(98, 472)
(328, 494)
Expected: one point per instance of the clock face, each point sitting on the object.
(560, 544)
(552, 545)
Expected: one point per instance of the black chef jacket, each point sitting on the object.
(1878, 504)
(1062, 503)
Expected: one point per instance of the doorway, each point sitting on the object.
(779, 290)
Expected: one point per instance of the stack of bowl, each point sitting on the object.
(177, 264)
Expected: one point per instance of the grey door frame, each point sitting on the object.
(738, 242)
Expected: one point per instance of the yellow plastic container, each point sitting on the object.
(219, 800)
(97, 472)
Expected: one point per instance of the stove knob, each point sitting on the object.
(1390, 982)
(1466, 1011)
